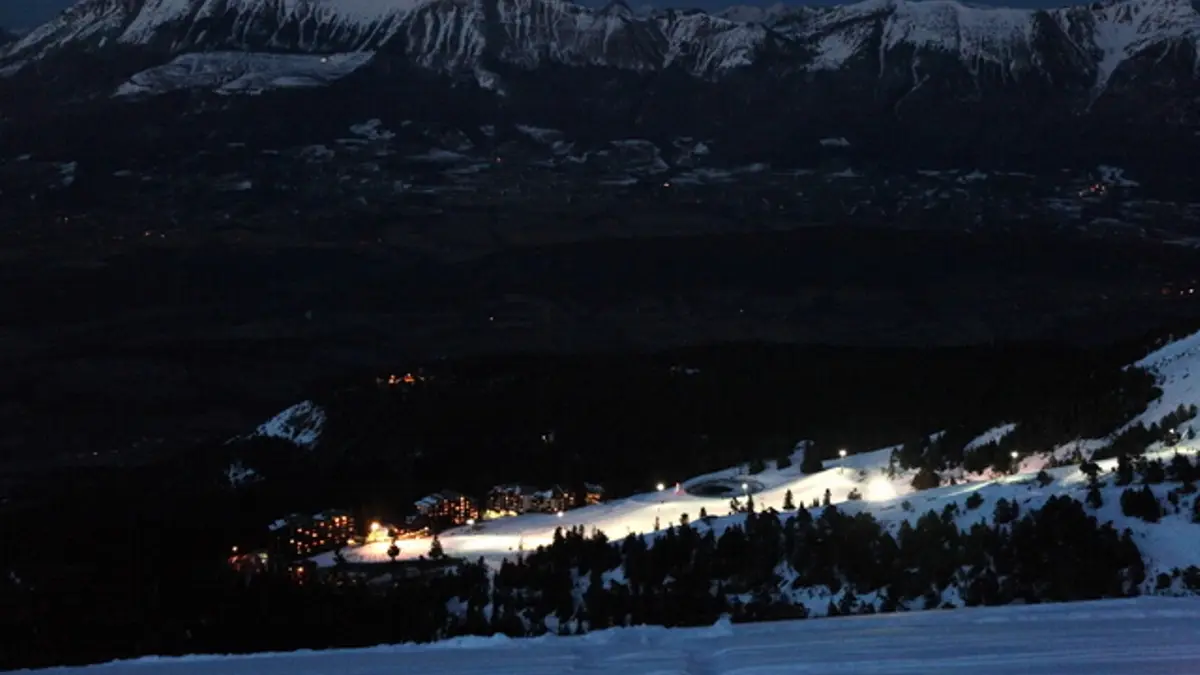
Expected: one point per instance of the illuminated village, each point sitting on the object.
(293, 540)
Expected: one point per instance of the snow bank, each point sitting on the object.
(243, 73)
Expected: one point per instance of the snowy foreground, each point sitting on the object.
(1143, 636)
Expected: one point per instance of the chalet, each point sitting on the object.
(553, 500)
(593, 493)
(300, 536)
(509, 500)
(447, 506)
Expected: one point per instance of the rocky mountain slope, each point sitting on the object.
(935, 80)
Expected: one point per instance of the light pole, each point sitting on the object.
(1014, 456)
(842, 453)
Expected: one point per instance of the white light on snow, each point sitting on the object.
(880, 489)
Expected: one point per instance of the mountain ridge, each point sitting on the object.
(934, 81)
(453, 35)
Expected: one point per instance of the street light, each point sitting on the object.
(470, 522)
(1013, 454)
(842, 453)
(745, 487)
(375, 526)
(660, 487)
(560, 514)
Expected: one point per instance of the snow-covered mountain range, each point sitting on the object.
(1100, 39)
(936, 78)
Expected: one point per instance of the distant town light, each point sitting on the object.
(470, 521)
(1013, 454)
(375, 526)
(560, 514)
(235, 549)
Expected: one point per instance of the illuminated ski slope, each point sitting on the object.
(888, 496)
(1144, 636)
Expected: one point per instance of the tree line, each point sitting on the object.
(825, 561)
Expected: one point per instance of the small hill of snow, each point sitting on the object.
(301, 424)
(1177, 367)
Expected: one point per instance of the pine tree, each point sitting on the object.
(974, 501)
(811, 462)
(828, 497)
(703, 513)
(1094, 498)
(1005, 512)
(435, 549)
(684, 520)
(926, 479)
(393, 551)
(1154, 472)
(1124, 470)
(750, 503)
(788, 503)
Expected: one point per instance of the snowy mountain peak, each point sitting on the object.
(902, 44)
(617, 8)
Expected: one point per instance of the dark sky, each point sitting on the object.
(29, 13)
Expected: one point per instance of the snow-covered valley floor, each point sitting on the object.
(1143, 636)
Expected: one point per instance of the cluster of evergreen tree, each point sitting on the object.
(690, 575)
(1138, 437)
(760, 569)
(1111, 399)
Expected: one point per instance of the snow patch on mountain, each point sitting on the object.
(239, 72)
(1121, 30)
(301, 424)
(1177, 368)
(994, 435)
(84, 21)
